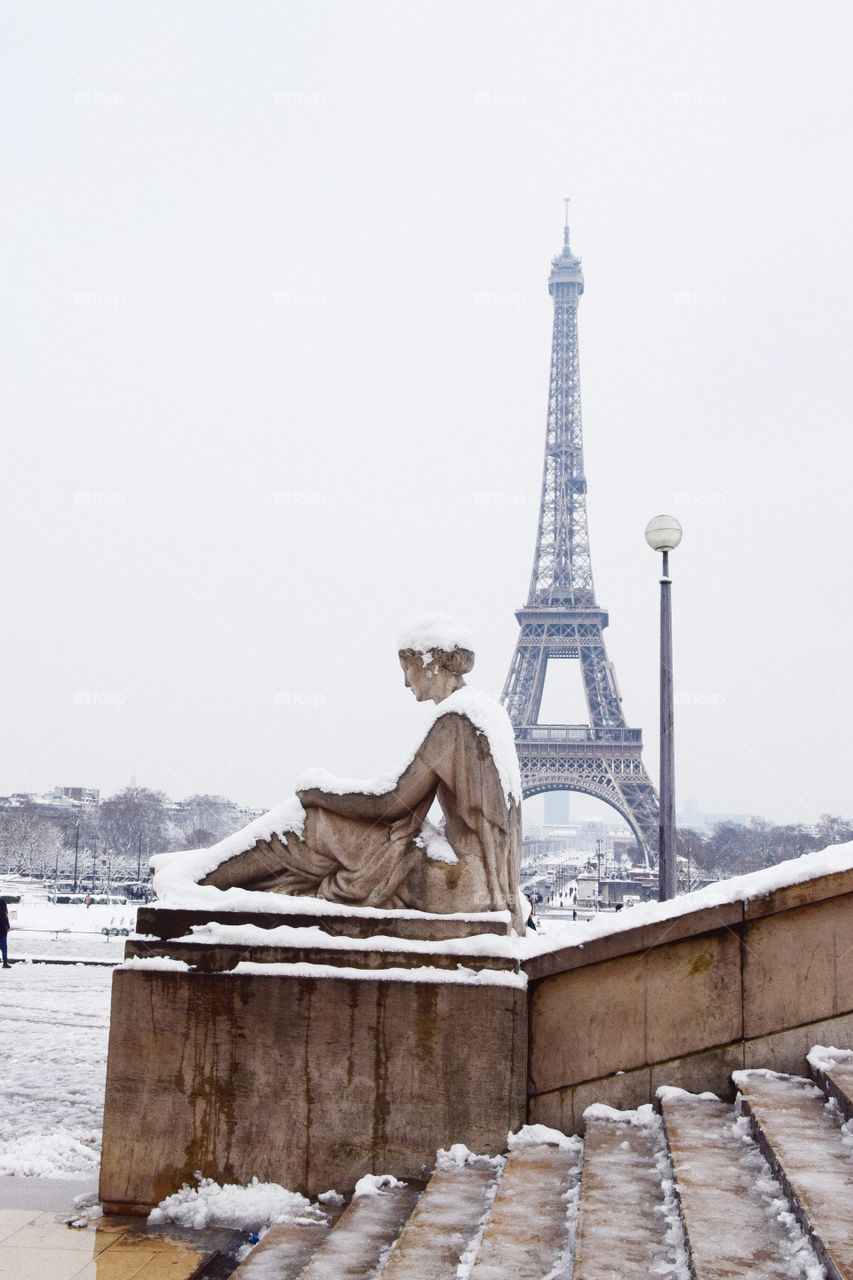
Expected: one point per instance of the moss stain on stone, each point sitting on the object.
(381, 1105)
(701, 964)
(426, 1022)
(352, 1000)
(305, 1001)
(211, 1017)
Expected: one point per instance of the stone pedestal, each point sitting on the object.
(307, 1065)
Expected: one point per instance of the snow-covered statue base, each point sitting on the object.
(372, 843)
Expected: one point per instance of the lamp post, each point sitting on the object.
(76, 852)
(663, 534)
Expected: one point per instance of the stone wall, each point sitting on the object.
(686, 1001)
(306, 1081)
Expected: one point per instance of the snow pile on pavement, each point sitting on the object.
(61, 1153)
(251, 1208)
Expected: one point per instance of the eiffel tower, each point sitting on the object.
(562, 619)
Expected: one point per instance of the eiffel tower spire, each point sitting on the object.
(562, 571)
(562, 619)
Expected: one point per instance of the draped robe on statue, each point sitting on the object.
(370, 849)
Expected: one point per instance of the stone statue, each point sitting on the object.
(372, 844)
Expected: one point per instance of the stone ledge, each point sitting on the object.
(643, 938)
(221, 957)
(175, 922)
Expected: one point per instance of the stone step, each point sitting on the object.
(803, 1143)
(832, 1069)
(287, 1247)
(356, 1246)
(526, 1235)
(726, 1193)
(623, 1216)
(443, 1223)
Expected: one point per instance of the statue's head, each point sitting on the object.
(435, 653)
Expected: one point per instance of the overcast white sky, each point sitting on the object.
(275, 355)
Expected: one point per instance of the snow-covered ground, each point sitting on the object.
(48, 930)
(53, 1053)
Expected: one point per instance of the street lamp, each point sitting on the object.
(663, 534)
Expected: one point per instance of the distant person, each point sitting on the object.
(88, 899)
(4, 932)
(574, 913)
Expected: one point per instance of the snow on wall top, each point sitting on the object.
(756, 884)
(435, 631)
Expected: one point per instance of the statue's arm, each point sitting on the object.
(413, 787)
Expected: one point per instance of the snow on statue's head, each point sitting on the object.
(434, 646)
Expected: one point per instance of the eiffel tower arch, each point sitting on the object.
(561, 619)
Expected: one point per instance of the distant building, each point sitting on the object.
(557, 804)
(85, 795)
(691, 816)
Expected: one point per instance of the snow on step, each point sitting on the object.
(833, 1070)
(356, 1246)
(627, 1226)
(732, 1210)
(446, 1218)
(803, 1141)
(283, 1252)
(527, 1233)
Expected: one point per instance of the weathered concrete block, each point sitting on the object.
(305, 1081)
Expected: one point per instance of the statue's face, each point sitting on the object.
(418, 678)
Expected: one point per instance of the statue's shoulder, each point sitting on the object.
(469, 711)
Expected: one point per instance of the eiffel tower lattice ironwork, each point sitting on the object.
(562, 619)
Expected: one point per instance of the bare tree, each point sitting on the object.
(132, 825)
(204, 819)
(29, 842)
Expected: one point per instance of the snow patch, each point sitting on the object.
(249, 1208)
(422, 973)
(458, 1156)
(427, 631)
(310, 936)
(823, 1057)
(741, 1079)
(59, 1153)
(373, 1184)
(643, 1117)
(435, 844)
(538, 1135)
(670, 1093)
(155, 962)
